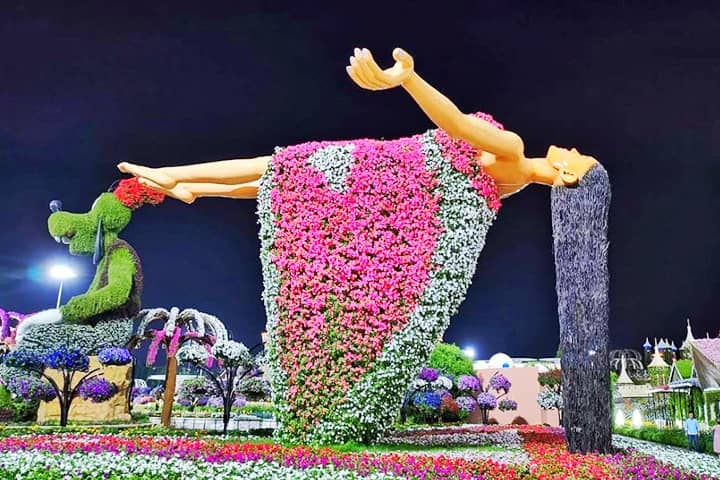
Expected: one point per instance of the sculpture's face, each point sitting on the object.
(570, 165)
(79, 230)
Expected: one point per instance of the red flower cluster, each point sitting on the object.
(133, 194)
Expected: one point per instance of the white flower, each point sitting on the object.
(442, 383)
(232, 353)
(419, 383)
(193, 353)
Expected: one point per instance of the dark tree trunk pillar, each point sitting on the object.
(579, 217)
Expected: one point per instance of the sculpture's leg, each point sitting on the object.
(228, 172)
(189, 192)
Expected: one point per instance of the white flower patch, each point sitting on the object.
(232, 353)
(442, 383)
(171, 322)
(335, 162)
(38, 464)
(701, 463)
(271, 287)
(419, 383)
(193, 353)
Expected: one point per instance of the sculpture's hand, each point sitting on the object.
(367, 74)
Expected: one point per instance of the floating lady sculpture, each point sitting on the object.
(368, 248)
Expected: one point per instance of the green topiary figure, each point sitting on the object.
(103, 315)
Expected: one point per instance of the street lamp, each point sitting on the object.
(61, 273)
(470, 352)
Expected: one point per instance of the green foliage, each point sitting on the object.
(658, 375)
(552, 379)
(449, 358)
(712, 398)
(16, 411)
(81, 228)
(95, 301)
(684, 367)
(667, 436)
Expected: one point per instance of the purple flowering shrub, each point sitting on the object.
(500, 382)
(31, 388)
(114, 356)
(487, 401)
(69, 362)
(96, 389)
(466, 404)
(468, 383)
(64, 358)
(23, 359)
(429, 374)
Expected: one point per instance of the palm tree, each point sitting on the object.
(178, 328)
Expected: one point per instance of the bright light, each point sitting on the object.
(62, 272)
(619, 418)
(470, 352)
(637, 419)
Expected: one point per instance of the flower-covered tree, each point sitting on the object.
(69, 363)
(488, 396)
(178, 328)
(234, 363)
(551, 397)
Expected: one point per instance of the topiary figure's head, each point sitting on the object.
(91, 232)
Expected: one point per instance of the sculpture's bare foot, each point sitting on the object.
(179, 191)
(154, 175)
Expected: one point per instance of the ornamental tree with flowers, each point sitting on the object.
(234, 363)
(550, 398)
(490, 396)
(177, 328)
(69, 363)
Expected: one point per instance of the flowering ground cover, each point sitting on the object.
(542, 456)
(679, 457)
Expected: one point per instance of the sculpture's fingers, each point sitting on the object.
(372, 71)
(351, 72)
(403, 57)
(357, 68)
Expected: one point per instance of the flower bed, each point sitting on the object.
(47, 456)
(301, 459)
(647, 452)
(47, 466)
(468, 435)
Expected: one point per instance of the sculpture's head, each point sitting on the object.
(570, 165)
(88, 233)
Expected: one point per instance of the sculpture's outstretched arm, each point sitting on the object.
(481, 134)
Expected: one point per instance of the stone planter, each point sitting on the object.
(114, 409)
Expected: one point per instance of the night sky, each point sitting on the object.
(636, 86)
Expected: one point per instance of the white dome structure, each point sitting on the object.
(500, 360)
